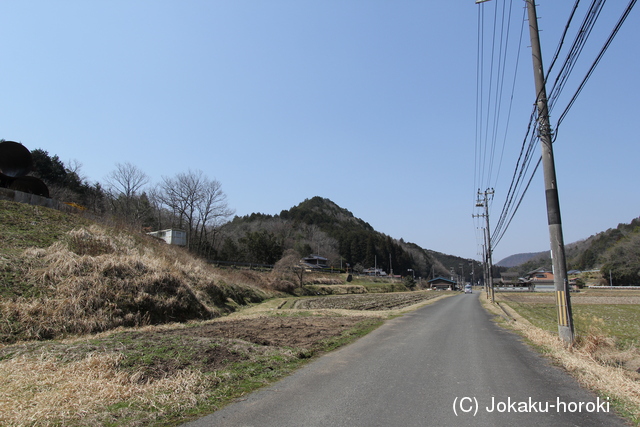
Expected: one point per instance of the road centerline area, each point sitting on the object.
(445, 364)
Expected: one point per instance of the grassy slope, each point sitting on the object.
(63, 274)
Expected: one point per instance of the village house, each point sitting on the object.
(539, 276)
(509, 279)
(441, 284)
(374, 272)
(315, 262)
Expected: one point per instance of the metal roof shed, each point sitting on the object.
(172, 236)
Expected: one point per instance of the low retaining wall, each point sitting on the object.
(32, 199)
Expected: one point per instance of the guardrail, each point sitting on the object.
(513, 289)
(257, 266)
(234, 264)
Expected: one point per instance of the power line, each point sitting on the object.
(521, 171)
(576, 49)
(493, 67)
(597, 60)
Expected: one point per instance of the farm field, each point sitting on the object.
(167, 374)
(606, 318)
(614, 313)
(389, 301)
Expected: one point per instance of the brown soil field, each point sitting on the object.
(294, 332)
(218, 343)
(390, 301)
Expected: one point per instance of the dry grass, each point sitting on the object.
(159, 374)
(43, 391)
(594, 360)
(324, 280)
(95, 280)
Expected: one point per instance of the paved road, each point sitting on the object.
(420, 370)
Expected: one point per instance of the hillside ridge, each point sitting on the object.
(320, 226)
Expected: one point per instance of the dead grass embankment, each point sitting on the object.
(95, 279)
(594, 360)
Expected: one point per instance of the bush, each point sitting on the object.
(409, 282)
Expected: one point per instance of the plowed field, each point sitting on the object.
(390, 301)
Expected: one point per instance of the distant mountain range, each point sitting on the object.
(517, 259)
(616, 250)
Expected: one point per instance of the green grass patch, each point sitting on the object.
(360, 330)
(227, 368)
(25, 226)
(621, 321)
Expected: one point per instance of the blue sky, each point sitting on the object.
(371, 104)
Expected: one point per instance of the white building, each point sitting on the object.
(171, 236)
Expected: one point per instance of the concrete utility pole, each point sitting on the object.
(561, 282)
(473, 273)
(485, 276)
(484, 202)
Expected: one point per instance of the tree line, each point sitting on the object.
(197, 204)
(189, 200)
(615, 252)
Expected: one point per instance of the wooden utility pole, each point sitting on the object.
(560, 278)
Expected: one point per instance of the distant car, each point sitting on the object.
(468, 289)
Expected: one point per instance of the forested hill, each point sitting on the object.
(325, 214)
(319, 226)
(616, 250)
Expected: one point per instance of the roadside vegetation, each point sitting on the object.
(102, 325)
(606, 355)
(159, 375)
(169, 374)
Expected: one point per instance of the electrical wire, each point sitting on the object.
(575, 51)
(595, 63)
(516, 191)
(488, 126)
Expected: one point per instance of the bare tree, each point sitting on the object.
(198, 203)
(123, 186)
(74, 166)
(213, 211)
(289, 267)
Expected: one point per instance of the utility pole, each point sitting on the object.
(560, 278)
(484, 202)
(473, 273)
(484, 265)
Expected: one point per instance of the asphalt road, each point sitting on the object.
(446, 364)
